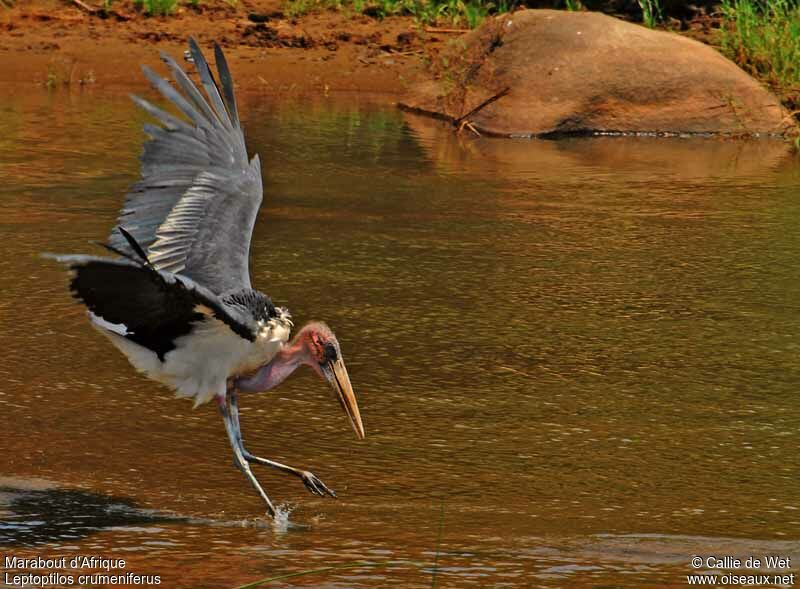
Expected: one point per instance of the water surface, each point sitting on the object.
(576, 362)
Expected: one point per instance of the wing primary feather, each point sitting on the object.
(168, 92)
(135, 246)
(227, 84)
(169, 121)
(116, 250)
(191, 90)
(209, 83)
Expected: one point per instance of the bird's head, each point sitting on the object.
(325, 357)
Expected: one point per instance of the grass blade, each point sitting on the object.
(354, 565)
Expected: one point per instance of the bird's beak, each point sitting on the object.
(337, 376)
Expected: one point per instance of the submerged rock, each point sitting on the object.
(551, 73)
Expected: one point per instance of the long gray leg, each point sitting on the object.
(239, 459)
(309, 479)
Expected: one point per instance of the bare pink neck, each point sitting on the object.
(279, 368)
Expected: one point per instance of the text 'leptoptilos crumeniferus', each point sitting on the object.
(178, 301)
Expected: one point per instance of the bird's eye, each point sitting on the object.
(330, 353)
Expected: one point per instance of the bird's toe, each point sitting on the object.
(316, 486)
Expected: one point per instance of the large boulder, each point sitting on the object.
(550, 73)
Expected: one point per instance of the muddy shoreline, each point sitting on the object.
(55, 44)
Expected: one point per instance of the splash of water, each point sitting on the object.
(281, 523)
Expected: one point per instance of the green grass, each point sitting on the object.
(651, 12)
(457, 12)
(468, 13)
(763, 37)
(261, 582)
(157, 7)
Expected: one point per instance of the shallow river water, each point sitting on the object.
(576, 362)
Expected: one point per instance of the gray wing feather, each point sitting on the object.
(169, 121)
(194, 209)
(209, 84)
(227, 84)
(197, 101)
(168, 92)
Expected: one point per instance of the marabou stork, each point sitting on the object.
(178, 301)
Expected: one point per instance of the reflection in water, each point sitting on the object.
(585, 351)
(34, 516)
(641, 158)
(35, 513)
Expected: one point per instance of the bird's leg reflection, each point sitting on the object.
(235, 440)
(309, 479)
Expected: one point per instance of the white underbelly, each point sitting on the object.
(202, 360)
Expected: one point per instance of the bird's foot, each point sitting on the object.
(310, 480)
(314, 485)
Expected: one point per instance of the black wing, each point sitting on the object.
(195, 207)
(155, 307)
